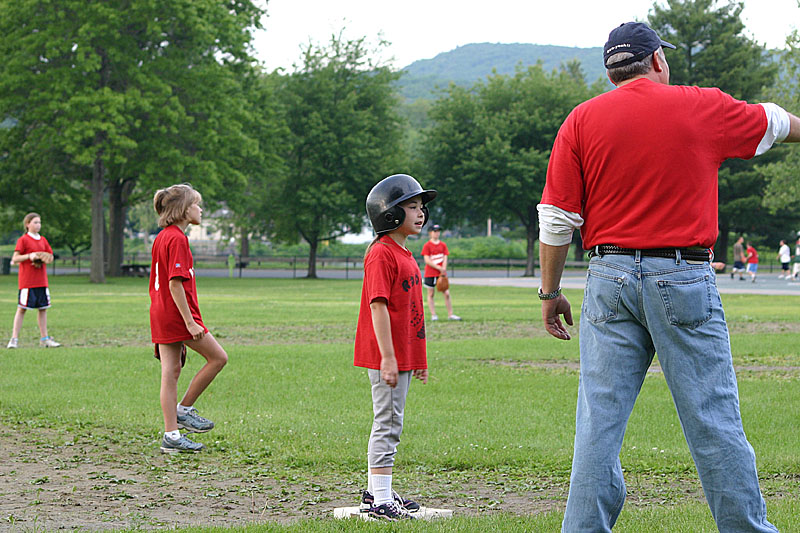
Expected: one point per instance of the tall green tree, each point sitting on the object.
(713, 51)
(253, 205)
(125, 93)
(490, 145)
(783, 190)
(345, 135)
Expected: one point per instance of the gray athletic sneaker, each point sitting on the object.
(13, 343)
(182, 445)
(194, 423)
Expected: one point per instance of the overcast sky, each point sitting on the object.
(421, 29)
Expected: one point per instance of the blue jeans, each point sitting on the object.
(634, 307)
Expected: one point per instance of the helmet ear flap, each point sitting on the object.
(394, 217)
(426, 213)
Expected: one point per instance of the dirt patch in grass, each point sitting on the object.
(60, 480)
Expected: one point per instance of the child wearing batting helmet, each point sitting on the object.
(175, 320)
(390, 338)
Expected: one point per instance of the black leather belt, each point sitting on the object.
(688, 254)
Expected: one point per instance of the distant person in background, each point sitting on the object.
(796, 265)
(435, 253)
(738, 258)
(752, 262)
(785, 257)
(32, 253)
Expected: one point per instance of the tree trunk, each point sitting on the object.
(721, 247)
(532, 231)
(312, 258)
(580, 253)
(97, 272)
(116, 227)
(530, 264)
(244, 244)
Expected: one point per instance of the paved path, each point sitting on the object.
(765, 283)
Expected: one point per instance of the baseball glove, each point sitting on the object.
(442, 284)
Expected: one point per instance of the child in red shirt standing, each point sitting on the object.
(32, 253)
(175, 320)
(390, 339)
(752, 262)
(435, 253)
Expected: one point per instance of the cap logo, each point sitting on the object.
(623, 45)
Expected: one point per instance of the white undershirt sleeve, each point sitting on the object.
(556, 225)
(778, 127)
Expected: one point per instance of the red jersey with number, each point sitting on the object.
(391, 273)
(31, 276)
(172, 258)
(640, 162)
(436, 252)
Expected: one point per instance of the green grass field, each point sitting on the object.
(490, 435)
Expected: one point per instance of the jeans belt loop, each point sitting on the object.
(638, 257)
(677, 256)
(597, 251)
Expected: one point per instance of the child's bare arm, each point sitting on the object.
(382, 326)
(17, 257)
(179, 297)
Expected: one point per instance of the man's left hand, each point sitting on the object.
(551, 315)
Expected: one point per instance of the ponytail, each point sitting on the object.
(371, 245)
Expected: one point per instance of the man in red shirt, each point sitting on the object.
(636, 170)
(435, 253)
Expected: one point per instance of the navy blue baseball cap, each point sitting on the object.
(635, 37)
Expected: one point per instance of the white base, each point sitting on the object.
(425, 513)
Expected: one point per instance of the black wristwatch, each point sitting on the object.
(549, 295)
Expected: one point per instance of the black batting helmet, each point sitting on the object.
(383, 201)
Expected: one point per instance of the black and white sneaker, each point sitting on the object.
(390, 511)
(367, 501)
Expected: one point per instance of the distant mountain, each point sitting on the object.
(469, 63)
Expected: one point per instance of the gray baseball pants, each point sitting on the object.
(388, 405)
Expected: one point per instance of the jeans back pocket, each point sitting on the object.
(688, 303)
(601, 297)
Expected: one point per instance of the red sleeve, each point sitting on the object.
(20, 246)
(744, 127)
(446, 251)
(180, 258)
(47, 247)
(564, 185)
(426, 248)
(378, 277)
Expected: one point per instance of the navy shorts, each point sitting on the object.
(35, 298)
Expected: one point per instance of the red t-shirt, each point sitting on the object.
(172, 258)
(640, 162)
(753, 255)
(391, 272)
(31, 276)
(436, 252)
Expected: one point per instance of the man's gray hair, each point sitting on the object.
(626, 72)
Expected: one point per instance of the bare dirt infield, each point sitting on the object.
(59, 480)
